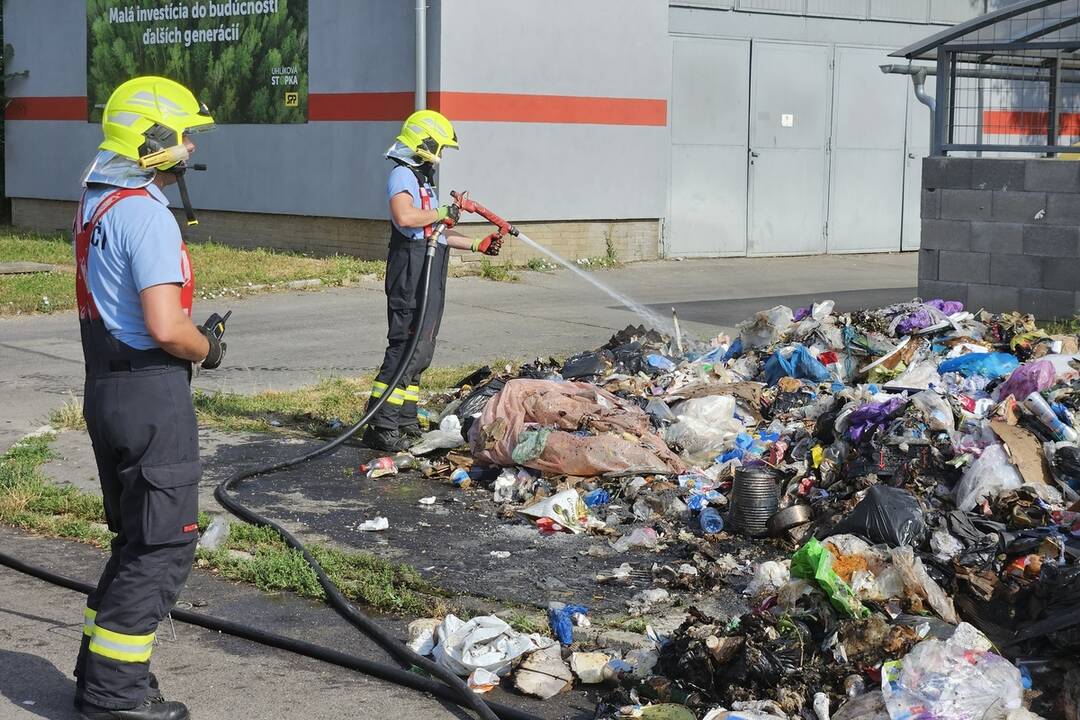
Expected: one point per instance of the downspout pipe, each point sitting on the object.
(919, 81)
(420, 99)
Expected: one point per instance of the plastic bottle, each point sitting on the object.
(711, 521)
(216, 534)
(379, 467)
(405, 461)
(1038, 407)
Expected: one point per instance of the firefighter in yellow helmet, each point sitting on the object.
(135, 286)
(414, 211)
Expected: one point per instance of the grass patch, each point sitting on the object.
(635, 625)
(258, 556)
(30, 502)
(498, 273)
(68, 416)
(1069, 326)
(250, 554)
(527, 623)
(315, 409)
(220, 271)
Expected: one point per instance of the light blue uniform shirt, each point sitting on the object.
(402, 179)
(135, 246)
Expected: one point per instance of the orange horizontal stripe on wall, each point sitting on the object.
(395, 106)
(511, 107)
(492, 107)
(1028, 122)
(46, 108)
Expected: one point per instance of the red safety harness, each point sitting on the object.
(425, 204)
(84, 238)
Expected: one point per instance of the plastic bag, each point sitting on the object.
(446, 437)
(769, 577)
(483, 642)
(705, 426)
(947, 679)
(530, 444)
(938, 412)
(864, 420)
(917, 375)
(567, 509)
(1026, 379)
(795, 362)
(989, 365)
(813, 562)
(868, 706)
(989, 475)
(886, 515)
(561, 620)
(918, 582)
(765, 328)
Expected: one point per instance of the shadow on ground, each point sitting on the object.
(35, 686)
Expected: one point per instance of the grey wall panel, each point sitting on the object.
(838, 8)
(918, 147)
(710, 91)
(333, 169)
(362, 45)
(50, 41)
(955, 11)
(567, 172)
(612, 48)
(797, 7)
(910, 10)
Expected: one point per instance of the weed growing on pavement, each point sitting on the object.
(526, 623)
(251, 554)
(537, 264)
(68, 416)
(498, 273)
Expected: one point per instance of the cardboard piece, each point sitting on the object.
(1025, 450)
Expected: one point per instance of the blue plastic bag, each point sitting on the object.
(597, 497)
(800, 364)
(989, 365)
(734, 351)
(561, 620)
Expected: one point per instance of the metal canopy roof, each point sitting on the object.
(1045, 28)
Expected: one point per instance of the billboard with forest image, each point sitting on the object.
(246, 59)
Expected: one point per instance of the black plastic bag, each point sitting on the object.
(886, 515)
(588, 364)
(475, 402)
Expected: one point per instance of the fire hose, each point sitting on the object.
(451, 687)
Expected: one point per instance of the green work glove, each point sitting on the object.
(448, 214)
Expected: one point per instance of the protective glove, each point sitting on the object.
(448, 214)
(491, 245)
(213, 330)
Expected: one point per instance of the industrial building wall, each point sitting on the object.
(786, 137)
(562, 114)
(561, 106)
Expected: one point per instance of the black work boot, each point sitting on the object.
(412, 432)
(147, 711)
(384, 439)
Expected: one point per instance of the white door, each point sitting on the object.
(789, 110)
(709, 117)
(868, 145)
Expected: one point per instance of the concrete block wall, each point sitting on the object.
(629, 240)
(1002, 234)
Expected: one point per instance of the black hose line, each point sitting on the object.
(334, 597)
(380, 671)
(451, 687)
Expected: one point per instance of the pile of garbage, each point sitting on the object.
(908, 479)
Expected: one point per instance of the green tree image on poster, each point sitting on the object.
(246, 59)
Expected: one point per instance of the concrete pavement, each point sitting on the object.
(216, 675)
(290, 339)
